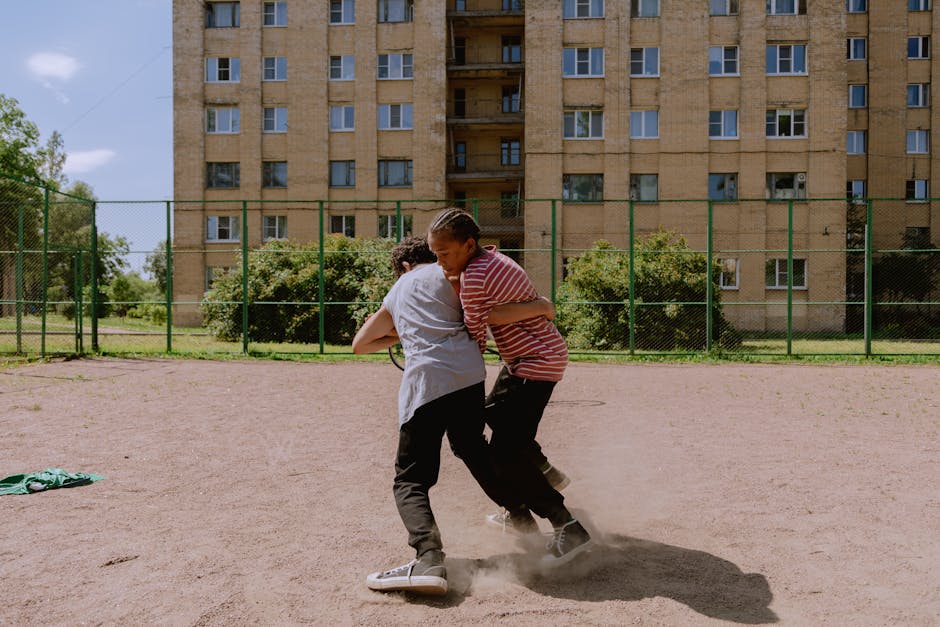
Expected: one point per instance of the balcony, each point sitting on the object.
(485, 167)
(485, 61)
(488, 12)
(483, 112)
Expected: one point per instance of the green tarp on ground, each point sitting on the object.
(48, 479)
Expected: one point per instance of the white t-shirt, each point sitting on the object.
(440, 357)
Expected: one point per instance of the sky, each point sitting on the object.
(101, 73)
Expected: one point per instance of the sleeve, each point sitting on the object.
(476, 306)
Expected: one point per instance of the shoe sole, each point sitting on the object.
(564, 483)
(550, 563)
(424, 584)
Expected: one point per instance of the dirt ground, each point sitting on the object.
(252, 492)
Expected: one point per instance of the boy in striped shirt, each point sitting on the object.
(535, 355)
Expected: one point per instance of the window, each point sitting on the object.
(644, 187)
(856, 6)
(723, 186)
(786, 123)
(512, 49)
(223, 175)
(395, 117)
(722, 60)
(582, 187)
(512, 99)
(275, 120)
(274, 227)
(512, 5)
(342, 173)
(855, 190)
(460, 5)
(786, 185)
(916, 190)
(395, 66)
(728, 278)
(644, 8)
(855, 143)
(723, 124)
(917, 142)
(723, 7)
(460, 102)
(344, 225)
(275, 69)
(396, 10)
(222, 14)
(214, 273)
(775, 273)
(918, 5)
(510, 152)
(223, 70)
(644, 61)
(388, 226)
(858, 96)
(856, 48)
(644, 124)
(918, 47)
(223, 120)
(583, 62)
(584, 124)
(342, 118)
(274, 14)
(786, 7)
(460, 156)
(395, 173)
(342, 68)
(222, 229)
(573, 9)
(342, 11)
(460, 50)
(509, 206)
(274, 174)
(918, 94)
(786, 59)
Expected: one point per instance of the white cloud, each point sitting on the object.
(87, 160)
(52, 65)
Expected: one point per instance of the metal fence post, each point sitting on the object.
(709, 290)
(80, 310)
(869, 278)
(476, 210)
(19, 279)
(94, 277)
(399, 227)
(789, 277)
(632, 294)
(168, 282)
(554, 278)
(245, 276)
(321, 288)
(45, 268)
(76, 286)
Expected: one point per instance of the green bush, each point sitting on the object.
(668, 277)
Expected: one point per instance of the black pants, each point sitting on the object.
(459, 415)
(514, 409)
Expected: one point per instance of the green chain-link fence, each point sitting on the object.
(739, 277)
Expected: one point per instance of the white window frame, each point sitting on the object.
(274, 69)
(727, 122)
(722, 61)
(730, 266)
(858, 88)
(922, 95)
(918, 5)
(856, 190)
(582, 9)
(921, 190)
(578, 120)
(214, 226)
(213, 71)
(568, 187)
(274, 15)
(647, 118)
(797, 192)
(383, 172)
(342, 67)
(401, 64)
(407, 11)
(778, 7)
(344, 225)
(395, 117)
(235, 174)
(855, 142)
(852, 52)
(269, 172)
(639, 10)
(780, 273)
(856, 6)
(730, 182)
(792, 57)
(917, 142)
(348, 171)
(797, 119)
(923, 47)
(646, 71)
(723, 7)
(583, 61)
(347, 12)
(342, 118)
(223, 120)
(273, 227)
(387, 226)
(274, 120)
(640, 183)
(235, 14)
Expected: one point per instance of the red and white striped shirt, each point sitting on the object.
(531, 349)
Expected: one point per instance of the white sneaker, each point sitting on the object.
(425, 575)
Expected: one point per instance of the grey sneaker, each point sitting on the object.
(568, 541)
(425, 575)
(556, 478)
(519, 523)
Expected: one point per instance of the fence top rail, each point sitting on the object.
(44, 186)
(469, 201)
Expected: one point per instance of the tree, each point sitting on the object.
(155, 265)
(128, 289)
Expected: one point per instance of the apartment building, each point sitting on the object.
(751, 104)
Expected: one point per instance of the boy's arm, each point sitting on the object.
(377, 333)
(514, 312)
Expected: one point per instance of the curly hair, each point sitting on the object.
(413, 250)
(457, 223)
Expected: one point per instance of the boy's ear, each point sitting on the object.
(407, 266)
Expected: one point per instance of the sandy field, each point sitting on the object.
(259, 493)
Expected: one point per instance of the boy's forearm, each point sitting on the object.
(507, 313)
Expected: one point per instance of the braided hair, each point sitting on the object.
(457, 223)
(413, 250)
